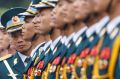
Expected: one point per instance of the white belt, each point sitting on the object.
(10, 70)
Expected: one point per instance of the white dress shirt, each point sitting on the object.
(23, 58)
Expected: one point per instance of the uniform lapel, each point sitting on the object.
(18, 65)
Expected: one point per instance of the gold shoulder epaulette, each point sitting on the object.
(5, 57)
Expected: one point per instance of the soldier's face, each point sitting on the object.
(19, 43)
(68, 12)
(82, 8)
(28, 29)
(57, 16)
(43, 26)
(101, 5)
(36, 19)
(4, 40)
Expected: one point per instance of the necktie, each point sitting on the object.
(27, 59)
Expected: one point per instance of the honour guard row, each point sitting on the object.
(61, 39)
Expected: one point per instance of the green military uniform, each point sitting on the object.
(105, 54)
(71, 56)
(33, 70)
(96, 44)
(12, 66)
(48, 52)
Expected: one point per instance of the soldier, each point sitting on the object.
(112, 69)
(49, 5)
(58, 21)
(5, 47)
(114, 65)
(12, 66)
(41, 24)
(98, 9)
(32, 33)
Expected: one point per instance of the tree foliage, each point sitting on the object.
(7, 4)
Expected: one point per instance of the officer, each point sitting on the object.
(42, 28)
(59, 22)
(101, 13)
(12, 66)
(107, 68)
(31, 32)
(114, 65)
(47, 6)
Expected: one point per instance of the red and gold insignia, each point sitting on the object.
(105, 54)
(80, 62)
(37, 72)
(15, 19)
(84, 53)
(71, 59)
(93, 54)
(56, 61)
(29, 72)
(103, 64)
(52, 68)
(104, 57)
(94, 51)
(69, 68)
(40, 65)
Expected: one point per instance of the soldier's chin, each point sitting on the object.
(79, 17)
(22, 50)
(52, 24)
(67, 20)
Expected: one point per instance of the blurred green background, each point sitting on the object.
(7, 4)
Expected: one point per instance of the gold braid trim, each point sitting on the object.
(114, 55)
(24, 76)
(57, 72)
(74, 72)
(64, 71)
(47, 70)
(43, 75)
(96, 65)
(75, 65)
(96, 68)
(36, 60)
(32, 74)
(83, 69)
